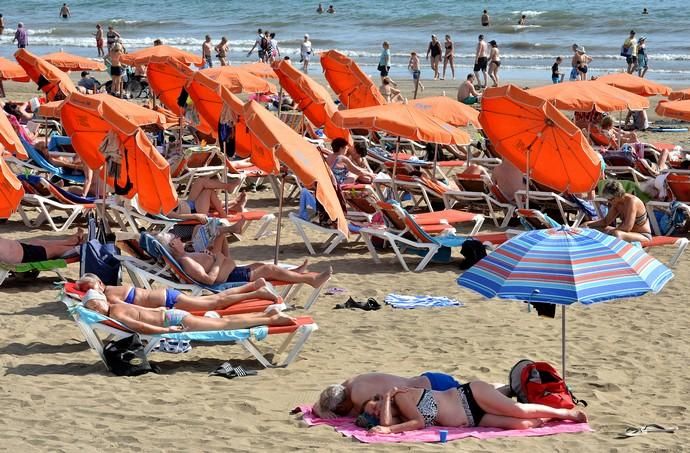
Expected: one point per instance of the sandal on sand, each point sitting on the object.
(644, 429)
(335, 290)
(228, 371)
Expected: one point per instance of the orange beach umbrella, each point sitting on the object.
(269, 133)
(11, 191)
(9, 70)
(588, 95)
(68, 62)
(143, 56)
(539, 140)
(311, 98)
(401, 120)
(680, 95)
(88, 120)
(259, 69)
(53, 82)
(634, 84)
(352, 86)
(449, 110)
(674, 109)
(9, 140)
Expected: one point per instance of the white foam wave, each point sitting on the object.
(41, 31)
(529, 13)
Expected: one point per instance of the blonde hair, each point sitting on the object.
(89, 278)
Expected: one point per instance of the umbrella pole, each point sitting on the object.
(395, 169)
(435, 158)
(280, 217)
(527, 184)
(563, 340)
(280, 101)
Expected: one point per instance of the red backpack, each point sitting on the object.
(540, 383)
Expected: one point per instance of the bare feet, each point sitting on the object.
(78, 237)
(237, 227)
(241, 202)
(322, 278)
(281, 319)
(259, 283)
(266, 294)
(578, 415)
(302, 268)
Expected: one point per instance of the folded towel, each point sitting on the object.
(346, 426)
(409, 302)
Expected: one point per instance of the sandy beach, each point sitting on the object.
(628, 358)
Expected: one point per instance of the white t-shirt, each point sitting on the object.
(305, 49)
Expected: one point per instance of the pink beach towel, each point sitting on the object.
(346, 426)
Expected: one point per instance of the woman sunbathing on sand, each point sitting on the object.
(474, 404)
(215, 265)
(161, 320)
(172, 298)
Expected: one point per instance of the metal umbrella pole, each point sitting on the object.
(563, 341)
(395, 168)
(280, 217)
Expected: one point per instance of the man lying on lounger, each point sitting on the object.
(163, 320)
(215, 265)
(172, 298)
(346, 399)
(33, 250)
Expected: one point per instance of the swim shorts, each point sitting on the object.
(416, 74)
(33, 253)
(481, 63)
(240, 274)
(441, 381)
(383, 70)
(469, 100)
(555, 79)
(631, 59)
(574, 74)
(115, 70)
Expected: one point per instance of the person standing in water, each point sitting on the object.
(206, 48)
(494, 62)
(2, 24)
(319, 9)
(21, 35)
(574, 62)
(65, 12)
(448, 57)
(222, 51)
(485, 19)
(435, 50)
(481, 60)
(414, 66)
(523, 20)
(99, 40)
(642, 60)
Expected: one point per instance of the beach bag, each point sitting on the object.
(473, 251)
(626, 51)
(127, 357)
(98, 255)
(540, 383)
(675, 222)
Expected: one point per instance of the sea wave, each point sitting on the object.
(529, 13)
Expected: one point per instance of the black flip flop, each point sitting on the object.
(226, 370)
(369, 305)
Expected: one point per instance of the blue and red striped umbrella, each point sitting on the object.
(566, 265)
(563, 266)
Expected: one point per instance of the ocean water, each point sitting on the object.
(359, 27)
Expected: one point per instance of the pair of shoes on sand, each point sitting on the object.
(370, 305)
(645, 429)
(226, 370)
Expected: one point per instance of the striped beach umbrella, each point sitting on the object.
(566, 265)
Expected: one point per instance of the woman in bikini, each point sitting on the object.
(448, 57)
(634, 225)
(344, 170)
(222, 51)
(494, 62)
(473, 404)
(203, 198)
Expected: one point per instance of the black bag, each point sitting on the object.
(126, 357)
(473, 251)
(98, 255)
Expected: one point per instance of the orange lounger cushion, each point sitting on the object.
(451, 216)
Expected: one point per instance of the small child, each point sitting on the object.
(413, 66)
(556, 75)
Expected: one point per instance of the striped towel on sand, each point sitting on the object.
(409, 302)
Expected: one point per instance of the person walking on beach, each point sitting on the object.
(65, 12)
(2, 24)
(414, 65)
(556, 74)
(435, 50)
(111, 37)
(481, 59)
(21, 35)
(385, 60)
(642, 60)
(115, 54)
(265, 47)
(222, 51)
(99, 40)
(494, 62)
(273, 49)
(629, 51)
(305, 53)
(206, 49)
(257, 44)
(574, 75)
(448, 57)
(485, 19)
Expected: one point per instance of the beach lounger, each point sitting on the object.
(196, 162)
(546, 199)
(415, 235)
(57, 199)
(41, 164)
(91, 322)
(423, 190)
(480, 193)
(31, 270)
